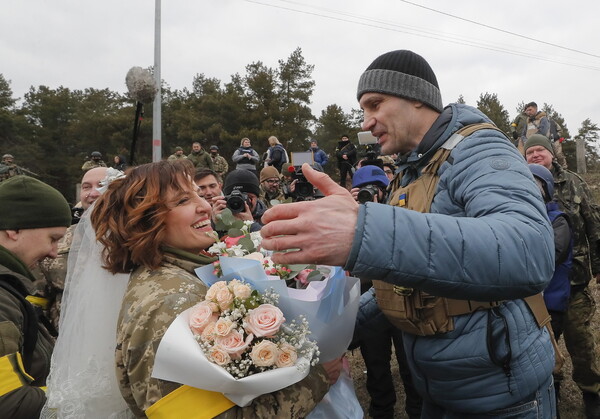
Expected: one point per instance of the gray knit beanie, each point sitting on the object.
(404, 74)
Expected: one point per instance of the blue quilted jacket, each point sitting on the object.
(486, 238)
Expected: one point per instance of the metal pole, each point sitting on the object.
(156, 109)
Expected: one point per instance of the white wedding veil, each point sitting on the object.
(82, 381)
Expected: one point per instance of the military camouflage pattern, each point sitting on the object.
(9, 170)
(51, 274)
(152, 301)
(266, 198)
(91, 164)
(575, 199)
(581, 343)
(174, 157)
(220, 165)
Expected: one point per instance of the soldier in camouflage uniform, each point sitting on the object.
(575, 199)
(94, 161)
(220, 165)
(163, 285)
(178, 155)
(199, 157)
(8, 169)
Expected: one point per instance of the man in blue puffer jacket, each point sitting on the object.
(485, 237)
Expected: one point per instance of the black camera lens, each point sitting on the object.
(235, 204)
(367, 194)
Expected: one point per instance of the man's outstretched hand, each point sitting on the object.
(322, 230)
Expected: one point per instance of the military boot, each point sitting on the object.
(592, 405)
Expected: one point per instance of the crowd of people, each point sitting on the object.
(475, 256)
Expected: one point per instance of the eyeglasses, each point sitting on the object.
(273, 181)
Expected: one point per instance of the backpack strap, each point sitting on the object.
(30, 324)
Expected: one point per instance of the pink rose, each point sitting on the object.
(218, 355)
(208, 334)
(200, 316)
(214, 288)
(242, 291)
(264, 320)
(234, 343)
(287, 356)
(231, 241)
(224, 298)
(302, 276)
(223, 327)
(264, 354)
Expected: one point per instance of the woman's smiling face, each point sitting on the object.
(187, 223)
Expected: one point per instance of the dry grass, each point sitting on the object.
(571, 406)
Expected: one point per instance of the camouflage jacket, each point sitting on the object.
(266, 198)
(90, 164)
(201, 159)
(51, 278)
(174, 157)
(154, 298)
(575, 199)
(220, 165)
(27, 399)
(9, 170)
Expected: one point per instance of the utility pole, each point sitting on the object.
(156, 109)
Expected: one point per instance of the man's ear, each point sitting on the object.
(12, 234)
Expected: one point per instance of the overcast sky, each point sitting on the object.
(79, 44)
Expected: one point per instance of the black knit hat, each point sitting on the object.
(27, 203)
(404, 74)
(242, 180)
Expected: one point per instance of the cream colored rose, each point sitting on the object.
(287, 356)
(234, 343)
(255, 256)
(264, 354)
(208, 334)
(219, 355)
(242, 291)
(223, 326)
(214, 288)
(224, 298)
(200, 316)
(264, 320)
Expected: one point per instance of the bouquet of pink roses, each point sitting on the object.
(245, 332)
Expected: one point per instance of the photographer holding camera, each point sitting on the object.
(300, 189)
(241, 192)
(369, 184)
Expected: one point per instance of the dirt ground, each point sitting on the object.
(570, 407)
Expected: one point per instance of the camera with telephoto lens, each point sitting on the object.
(367, 193)
(236, 201)
(303, 189)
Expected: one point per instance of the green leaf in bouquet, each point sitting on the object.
(315, 275)
(247, 244)
(224, 220)
(296, 268)
(235, 232)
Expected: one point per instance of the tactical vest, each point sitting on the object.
(533, 126)
(415, 311)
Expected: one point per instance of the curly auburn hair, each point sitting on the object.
(129, 218)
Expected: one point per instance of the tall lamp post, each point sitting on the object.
(156, 109)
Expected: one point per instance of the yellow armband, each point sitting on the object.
(12, 373)
(38, 301)
(189, 402)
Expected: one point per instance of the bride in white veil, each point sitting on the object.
(82, 381)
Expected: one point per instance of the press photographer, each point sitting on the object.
(299, 188)
(369, 184)
(241, 192)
